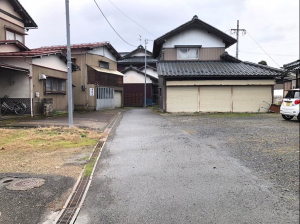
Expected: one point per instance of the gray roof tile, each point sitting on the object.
(137, 59)
(214, 68)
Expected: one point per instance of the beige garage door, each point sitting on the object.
(215, 98)
(250, 98)
(182, 99)
(118, 99)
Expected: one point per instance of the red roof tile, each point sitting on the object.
(31, 53)
(15, 42)
(73, 46)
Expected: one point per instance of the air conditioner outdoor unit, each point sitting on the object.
(42, 76)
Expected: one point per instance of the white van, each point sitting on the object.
(290, 105)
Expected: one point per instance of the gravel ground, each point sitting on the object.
(33, 205)
(265, 143)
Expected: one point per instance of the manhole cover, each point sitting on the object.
(25, 184)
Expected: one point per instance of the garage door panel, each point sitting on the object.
(215, 99)
(250, 98)
(182, 99)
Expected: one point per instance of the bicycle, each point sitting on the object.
(17, 107)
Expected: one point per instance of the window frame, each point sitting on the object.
(104, 62)
(57, 86)
(14, 35)
(187, 48)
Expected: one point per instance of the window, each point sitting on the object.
(105, 93)
(14, 36)
(54, 85)
(187, 53)
(103, 64)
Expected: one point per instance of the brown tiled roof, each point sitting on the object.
(37, 53)
(12, 67)
(30, 53)
(87, 46)
(17, 43)
(73, 46)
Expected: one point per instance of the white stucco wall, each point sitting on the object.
(14, 84)
(9, 47)
(134, 77)
(140, 54)
(151, 72)
(51, 61)
(194, 37)
(103, 52)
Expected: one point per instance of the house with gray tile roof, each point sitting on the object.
(196, 74)
(132, 65)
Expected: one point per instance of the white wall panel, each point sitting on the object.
(250, 98)
(194, 37)
(51, 61)
(182, 99)
(135, 77)
(215, 98)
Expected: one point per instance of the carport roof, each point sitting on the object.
(11, 67)
(215, 69)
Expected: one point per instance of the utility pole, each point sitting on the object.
(69, 65)
(146, 41)
(237, 30)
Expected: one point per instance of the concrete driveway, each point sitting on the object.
(154, 170)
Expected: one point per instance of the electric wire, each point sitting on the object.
(112, 26)
(130, 18)
(262, 49)
(269, 54)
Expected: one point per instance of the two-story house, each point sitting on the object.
(132, 65)
(97, 85)
(26, 75)
(197, 75)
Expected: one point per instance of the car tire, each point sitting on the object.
(287, 117)
(298, 117)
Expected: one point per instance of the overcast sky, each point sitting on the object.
(273, 24)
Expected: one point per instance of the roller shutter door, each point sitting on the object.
(215, 99)
(250, 98)
(182, 99)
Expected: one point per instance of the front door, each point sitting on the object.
(105, 98)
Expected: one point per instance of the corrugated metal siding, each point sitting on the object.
(250, 98)
(182, 99)
(209, 54)
(215, 99)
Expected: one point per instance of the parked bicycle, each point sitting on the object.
(17, 107)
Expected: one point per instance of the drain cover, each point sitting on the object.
(25, 184)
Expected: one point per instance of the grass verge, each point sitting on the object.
(53, 150)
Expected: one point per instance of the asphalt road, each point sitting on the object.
(153, 171)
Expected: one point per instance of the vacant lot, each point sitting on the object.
(45, 150)
(265, 143)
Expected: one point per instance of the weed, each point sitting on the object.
(89, 167)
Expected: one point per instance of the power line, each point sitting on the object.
(270, 54)
(112, 26)
(130, 18)
(263, 49)
(271, 46)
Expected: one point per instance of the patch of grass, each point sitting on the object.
(44, 150)
(156, 109)
(89, 167)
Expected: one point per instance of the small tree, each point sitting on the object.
(263, 62)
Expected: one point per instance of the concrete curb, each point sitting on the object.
(103, 139)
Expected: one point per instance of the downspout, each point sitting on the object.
(30, 86)
(86, 92)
